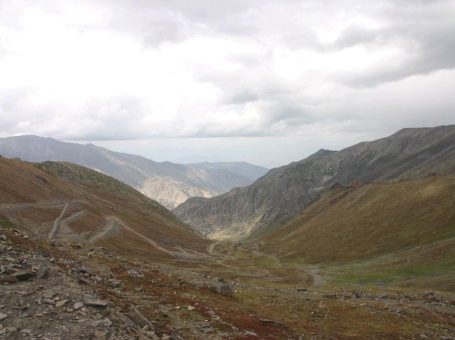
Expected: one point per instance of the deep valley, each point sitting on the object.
(352, 244)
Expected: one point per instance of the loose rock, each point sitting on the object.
(96, 303)
(23, 275)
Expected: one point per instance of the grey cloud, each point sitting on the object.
(242, 97)
(425, 29)
(355, 35)
(425, 32)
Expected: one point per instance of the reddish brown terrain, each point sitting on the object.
(83, 256)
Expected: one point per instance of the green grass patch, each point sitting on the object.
(6, 223)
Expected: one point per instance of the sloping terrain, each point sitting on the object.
(66, 202)
(168, 183)
(83, 255)
(283, 193)
(245, 169)
(397, 232)
(73, 291)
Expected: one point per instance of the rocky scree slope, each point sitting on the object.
(168, 183)
(284, 192)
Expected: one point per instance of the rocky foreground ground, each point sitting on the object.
(76, 291)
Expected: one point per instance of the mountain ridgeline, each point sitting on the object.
(359, 242)
(285, 192)
(168, 183)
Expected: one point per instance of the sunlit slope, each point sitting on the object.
(378, 232)
(86, 206)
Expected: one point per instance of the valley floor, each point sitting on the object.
(71, 290)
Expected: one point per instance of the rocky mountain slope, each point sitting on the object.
(245, 169)
(284, 192)
(83, 255)
(78, 291)
(168, 183)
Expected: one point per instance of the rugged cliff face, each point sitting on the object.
(284, 192)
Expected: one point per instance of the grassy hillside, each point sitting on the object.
(401, 232)
(34, 195)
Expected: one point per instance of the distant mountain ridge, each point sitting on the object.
(284, 192)
(168, 183)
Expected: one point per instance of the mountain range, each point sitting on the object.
(357, 243)
(283, 193)
(168, 183)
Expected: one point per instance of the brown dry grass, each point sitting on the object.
(382, 232)
(100, 196)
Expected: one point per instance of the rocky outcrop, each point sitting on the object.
(284, 192)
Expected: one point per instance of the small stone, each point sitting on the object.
(78, 305)
(223, 288)
(431, 297)
(48, 301)
(83, 281)
(151, 334)
(272, 322)
(100, 335)
(60, 303)
(3, 238)
(190, 308)
(114, 283)
(250, 333)
(42, 272)
(84, 270)
(96, 303)
(134, 273)
(102, 323)
(49, 294)
(3, 316)
(23, 275)
(206, 329)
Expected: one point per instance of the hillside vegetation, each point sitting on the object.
(381, 232)
(92, 206)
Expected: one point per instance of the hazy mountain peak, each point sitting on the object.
(169, 183)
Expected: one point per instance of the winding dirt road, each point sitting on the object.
(56, 225)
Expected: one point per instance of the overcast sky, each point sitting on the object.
(258, 80)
